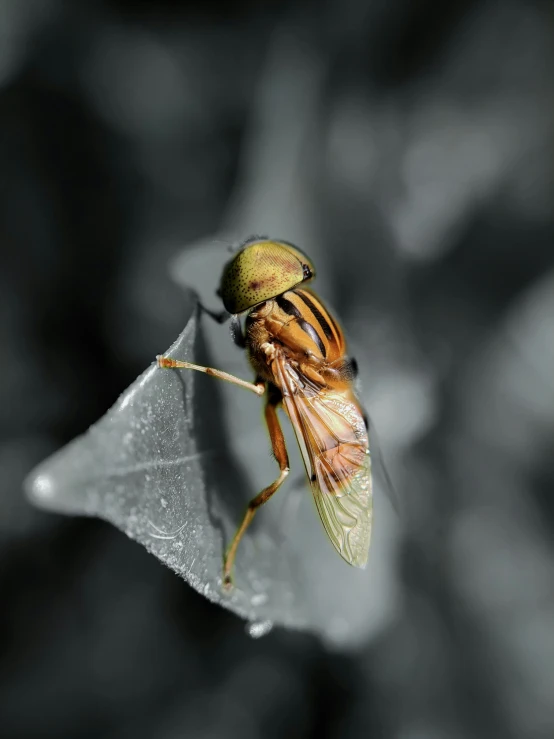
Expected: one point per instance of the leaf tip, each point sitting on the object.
(39, 488)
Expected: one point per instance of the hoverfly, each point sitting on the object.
(298, 352)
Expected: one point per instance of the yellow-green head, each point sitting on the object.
(262, 270)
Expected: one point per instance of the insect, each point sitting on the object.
(298, 353)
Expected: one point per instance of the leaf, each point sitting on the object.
(143, 467)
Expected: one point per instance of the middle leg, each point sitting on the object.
(280, 451)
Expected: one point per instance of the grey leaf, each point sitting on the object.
(143, 468)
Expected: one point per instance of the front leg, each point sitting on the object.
(257, 387)
(218, 316)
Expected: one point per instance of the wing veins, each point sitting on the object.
(351, 535)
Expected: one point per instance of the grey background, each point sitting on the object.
(407, 147)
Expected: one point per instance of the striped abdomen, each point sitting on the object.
(312, 327)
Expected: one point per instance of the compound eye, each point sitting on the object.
(261, 271)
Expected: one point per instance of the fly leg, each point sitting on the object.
(217, 316)
(280, 452)
(257, 387)
(222, 317)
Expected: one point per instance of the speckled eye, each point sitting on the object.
(260, 271)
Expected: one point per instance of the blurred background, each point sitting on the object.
(408, 147)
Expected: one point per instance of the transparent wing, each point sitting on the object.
(333, 440)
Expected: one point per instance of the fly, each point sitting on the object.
(298, 353)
